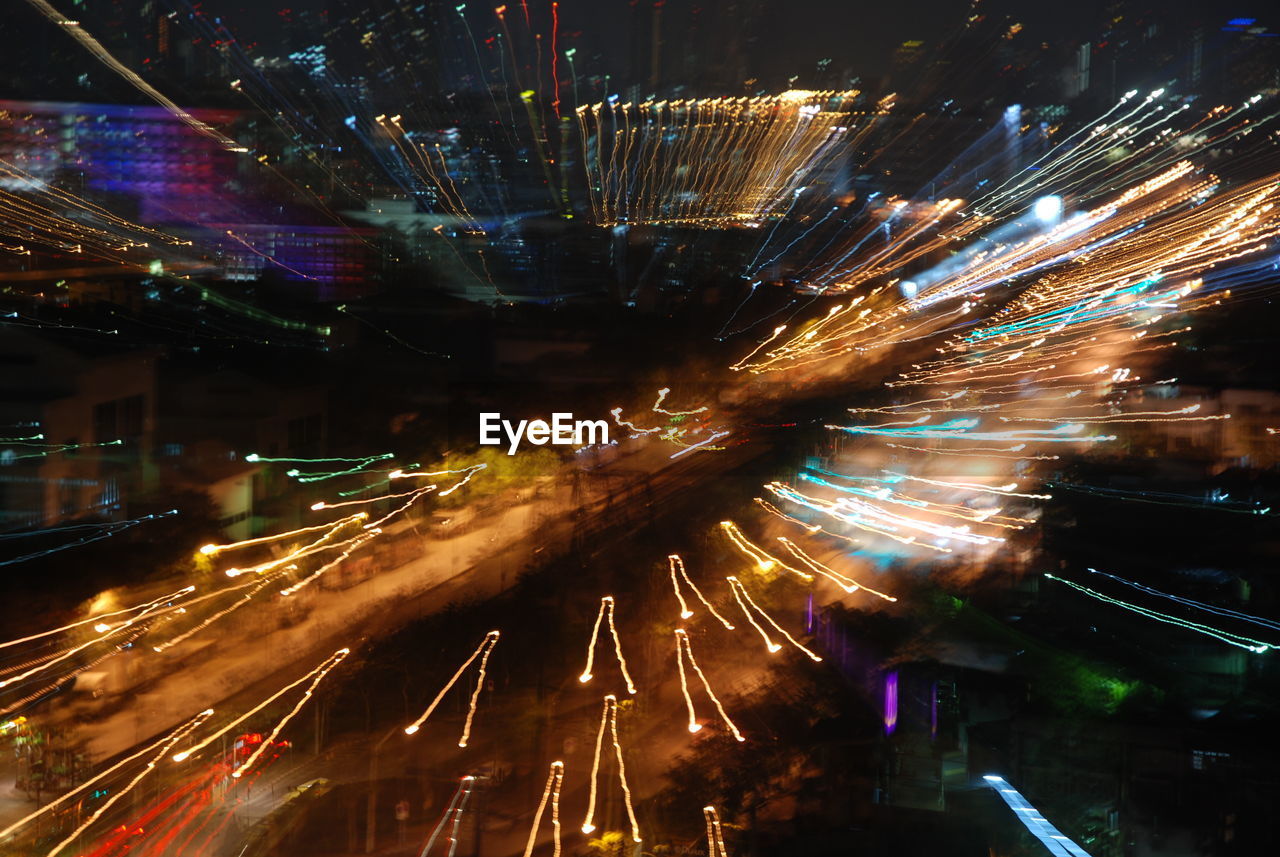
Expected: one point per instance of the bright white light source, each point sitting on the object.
(1048, 209)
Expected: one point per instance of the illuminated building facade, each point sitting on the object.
(147, 164)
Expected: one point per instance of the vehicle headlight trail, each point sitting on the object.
(167, 740)
(847, 584)
(167, 743)
(764, 561)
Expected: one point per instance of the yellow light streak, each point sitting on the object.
(257, 587)
(764, 560)
(76, 649)
(609, 717)
(715, 837)
(587, 825)
(677, 565)
(845, 583)
(606, 610)
(475, 695)
(279, 727)
(353, 545)
(209, 550)
(684, 648)
(187, 753)
(739, 589)
(490, 640)
(685, 612)
(552, 792)
(99, 625)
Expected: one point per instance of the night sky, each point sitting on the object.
(862, 34)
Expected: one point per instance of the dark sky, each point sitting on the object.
(858, 34)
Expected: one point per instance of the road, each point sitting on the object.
(251, 654)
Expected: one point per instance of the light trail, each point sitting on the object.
(551, 792)
(417, 157)
(318, 506)
(320, 545)
(104, 56)
(469, 782)
(606, 610)
(358, 465)
(490, 640)
(764, 561)
(1037, 824)
(587, 825)
(353, 545)
(58, 801)
(444, 819)
(684, 649)
(324, 666)
(414, 496)
(168, 742)
(715, 836)
(465, 472)
(107, 633)
(609, 717)
(454, 811)
(847, 584)
(240, 602)
(676, 565)
(1248, 618)
(97, 620)
(685, 612)
(811, 529)
(64, 677)
(664, 158)
(702, 444)
(338, 657)
(210, 550)
(1214, 503)
(662, 396)
(694, 725)
(1238, 640)
(769, 644)
(617, 418)
(475, 694)
(740, 592)
(98, 532)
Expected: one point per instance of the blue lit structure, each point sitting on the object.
(160, 172)
(1040, 828)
